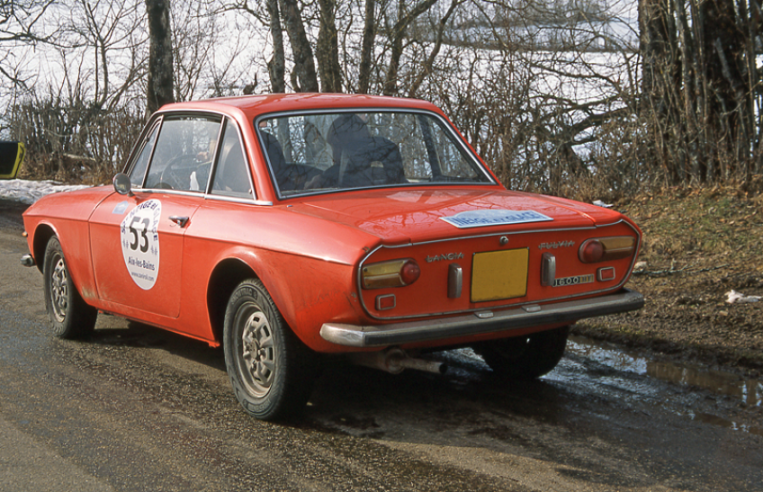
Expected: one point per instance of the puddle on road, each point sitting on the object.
(746, 391)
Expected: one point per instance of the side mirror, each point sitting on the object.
(11, 157)
(122, 184)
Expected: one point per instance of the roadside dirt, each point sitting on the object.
(10, 215)
(698, 246)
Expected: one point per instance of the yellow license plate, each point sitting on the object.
(499, 275)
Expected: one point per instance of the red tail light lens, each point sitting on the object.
(395, 273)
(591, 251)
(410, 272)
(607, 248)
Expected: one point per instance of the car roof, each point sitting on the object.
(261, 104)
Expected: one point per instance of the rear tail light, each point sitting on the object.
(607, 248)
(395, 273)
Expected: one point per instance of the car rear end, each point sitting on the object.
(492, 282)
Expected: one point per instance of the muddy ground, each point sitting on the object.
(698, 246)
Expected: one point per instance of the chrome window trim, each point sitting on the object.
(197, 194)
(501, 306)
(155, 123)
(160, 116)
(365, 109)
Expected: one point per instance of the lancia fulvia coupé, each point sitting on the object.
(291, 228)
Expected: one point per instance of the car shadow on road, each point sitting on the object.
(113, 331)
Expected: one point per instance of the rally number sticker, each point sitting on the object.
(140, 243)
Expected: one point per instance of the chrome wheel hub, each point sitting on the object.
(59, 289)
(257, 353)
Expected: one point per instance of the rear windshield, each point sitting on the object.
(310, 153)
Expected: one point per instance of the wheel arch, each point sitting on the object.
(42, 235)
(225, 277)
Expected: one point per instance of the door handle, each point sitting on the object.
(181, 221)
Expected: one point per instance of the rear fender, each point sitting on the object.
(306, 291)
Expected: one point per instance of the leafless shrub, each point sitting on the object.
(73, 142)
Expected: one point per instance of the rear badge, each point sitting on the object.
(486, 218)
(576, 280)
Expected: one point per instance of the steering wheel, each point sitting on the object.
(171, 178)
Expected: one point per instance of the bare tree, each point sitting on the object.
(304, 77)
(110, 29)
(277, 64)
(327, 48)
(160, 85)
(367, 50)
(20, 24)
(700, 88)
(396, 34)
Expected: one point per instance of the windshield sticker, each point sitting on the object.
(140, 243)
(485, 218)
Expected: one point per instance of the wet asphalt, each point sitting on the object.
(136, 408)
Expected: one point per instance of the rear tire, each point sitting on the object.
(525, 357)
(271, 371)
(70, 316)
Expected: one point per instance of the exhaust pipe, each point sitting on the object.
(395, 360)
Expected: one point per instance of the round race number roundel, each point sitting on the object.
(140, 243)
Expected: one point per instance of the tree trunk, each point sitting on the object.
(327, 50)
(726, 77)
(661, 80)
(367, 47)
(397, 35)
(277, 64)
(426, 68)
(161, 82)
(304, 74)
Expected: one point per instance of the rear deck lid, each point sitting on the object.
(416, 215)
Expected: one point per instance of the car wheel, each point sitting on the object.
(525, 357)
(70, 316)
(271, 371)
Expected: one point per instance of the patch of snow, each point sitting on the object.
(599, 203)
(733, 296)
(26, 191)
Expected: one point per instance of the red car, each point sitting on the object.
(284, 227)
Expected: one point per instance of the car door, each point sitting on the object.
(137, 240)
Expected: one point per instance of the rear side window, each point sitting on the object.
(232, 172)
(185, 149)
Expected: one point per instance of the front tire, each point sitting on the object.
(70, 316)
(271, 372)
(525, 357)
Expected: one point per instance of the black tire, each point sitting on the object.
(70, 316)
(271, 371)
(525, 357)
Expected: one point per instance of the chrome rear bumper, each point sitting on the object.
(480, 322)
